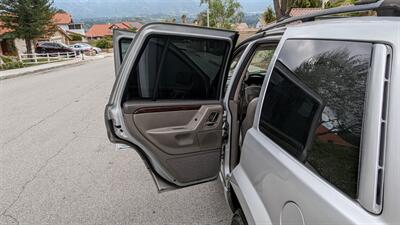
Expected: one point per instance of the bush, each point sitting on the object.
(76, 37)
(6, 59)
(11, 65)
(104, 43)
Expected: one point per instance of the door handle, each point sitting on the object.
(212, 119)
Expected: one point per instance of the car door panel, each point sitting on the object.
(180, 141)
(186, 131)
(166, 101)
(185, 136)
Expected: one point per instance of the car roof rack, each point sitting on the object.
(382, 7)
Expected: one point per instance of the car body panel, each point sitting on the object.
(277, 177)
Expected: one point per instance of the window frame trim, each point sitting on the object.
(373, 138)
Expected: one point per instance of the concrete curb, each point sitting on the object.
(38, 70)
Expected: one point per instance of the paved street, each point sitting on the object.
(57, 166)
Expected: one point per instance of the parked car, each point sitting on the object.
(85, 47)
(97, 50)
(81, 47)
(305, 133)
(52, 47)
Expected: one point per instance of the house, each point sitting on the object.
(6, 43)
(244, 31)
(60, 36)
(66, 29)
(64, 21)
(98, 31)
(292, 13)
(9, 45)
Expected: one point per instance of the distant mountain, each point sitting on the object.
(131, 8)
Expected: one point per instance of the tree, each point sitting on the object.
(282, 7)
(61, 11)
(268, 16)
(183, 18)
(104, 43)
(223, 13)
(201, 19)
(337, 3)
(132, 29)
(76, 37)
(170, 20)
(342, 74)
(207, 11)
(28, 19)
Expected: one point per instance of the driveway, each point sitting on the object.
(57, 166)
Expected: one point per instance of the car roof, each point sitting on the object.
(352, 20)
(360, 28)
(371, 28)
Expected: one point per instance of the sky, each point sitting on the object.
(121, 8)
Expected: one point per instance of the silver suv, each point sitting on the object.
(303, 133)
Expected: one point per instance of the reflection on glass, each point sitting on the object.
(337, 72)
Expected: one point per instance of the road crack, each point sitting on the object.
(12, 218)
(35, 175)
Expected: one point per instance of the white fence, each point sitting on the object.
(37, 58)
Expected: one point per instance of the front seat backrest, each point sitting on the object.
(249, 119)
(251, 92)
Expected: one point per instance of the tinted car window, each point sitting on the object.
(234, 62)
(124, 44)
(313, 107)
(289, 110)
(178, 68)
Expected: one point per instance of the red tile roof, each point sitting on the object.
(102, 30)
(123, 25)
(3, 30)
(99, 30)
(62, 18)
(324, 134)
(303, 11)
(136, 25)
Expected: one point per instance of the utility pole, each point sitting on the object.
(208, 13)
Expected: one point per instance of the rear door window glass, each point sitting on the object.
(124, 44)
(178, 68)
(325, 80)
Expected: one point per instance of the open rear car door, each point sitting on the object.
(167, 101)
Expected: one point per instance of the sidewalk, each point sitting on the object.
(7, 74)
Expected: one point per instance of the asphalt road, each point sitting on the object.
(57, 166)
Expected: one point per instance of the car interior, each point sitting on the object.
(244, 99)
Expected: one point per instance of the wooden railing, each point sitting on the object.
(37, 58)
